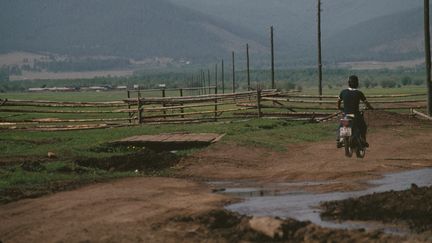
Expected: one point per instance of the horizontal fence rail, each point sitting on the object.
(177, 108)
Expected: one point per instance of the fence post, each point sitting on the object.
(139, 111)
(163, 102)
(259, 102)
(216, 109)
(130, 114)
(182, 109)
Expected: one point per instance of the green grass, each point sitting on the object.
(72, 144)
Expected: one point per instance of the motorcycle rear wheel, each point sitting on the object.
(348, 149)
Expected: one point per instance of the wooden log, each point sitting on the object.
(198, 113)
(68, 128)
(209, 119)
(153, 109)
(333, 102)
(65, 112)
(418, 113)
(58, 120)
(2, 102)
(329, 117)
(293, 114)
(290, 95)
(64, 103)
(207, 97)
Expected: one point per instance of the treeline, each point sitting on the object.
(69, 65)
(82, 64)
(285, 79)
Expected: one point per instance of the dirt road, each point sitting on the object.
(142, 209)
(122, 211)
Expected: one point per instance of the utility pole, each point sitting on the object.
(319, 51)
(233, 73)
(248, 66)
(272, 58)
(209, 80)
(428, 54)
(216, 77)
(223, 77)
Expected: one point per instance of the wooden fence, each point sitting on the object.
(207, 106)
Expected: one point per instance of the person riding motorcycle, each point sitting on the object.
(351, 98)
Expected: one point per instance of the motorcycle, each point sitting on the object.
(351, 138)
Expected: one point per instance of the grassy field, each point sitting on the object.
(21, 148)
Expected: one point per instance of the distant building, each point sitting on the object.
(37, 89)
(52, 89)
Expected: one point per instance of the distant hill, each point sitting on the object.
(395, 36)
(203, 30)
(295, 21)
(127, 28)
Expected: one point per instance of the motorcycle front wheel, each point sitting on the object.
(360, 149)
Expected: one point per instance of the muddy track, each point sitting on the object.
(397, 143)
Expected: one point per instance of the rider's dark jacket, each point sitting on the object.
(351, 99)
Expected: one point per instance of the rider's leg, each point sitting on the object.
(338, 140)
(363, 130)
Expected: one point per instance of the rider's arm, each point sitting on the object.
(363, 98)
(368, 105)
(339, 102)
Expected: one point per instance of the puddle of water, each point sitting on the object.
(285, 200)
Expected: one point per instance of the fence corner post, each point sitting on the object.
(259, 102)
(140, 111)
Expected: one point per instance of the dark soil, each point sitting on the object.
(17, 193)
(227, 226)
(413, 207)
(144, 160)
(385, 119)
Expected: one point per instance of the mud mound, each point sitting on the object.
(144, 160)
(32, 166)
(411, 206)
(376, 118)
(232, 227)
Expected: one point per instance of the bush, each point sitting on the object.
(289, 86)
(406, 81)
(388, 84)
(418, 82)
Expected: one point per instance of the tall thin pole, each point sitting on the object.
(216, 76)
(233, 73)
(272, 58)
(319, 50)
(223, 77)
(428, 54)
(209, 81)
(248, 66)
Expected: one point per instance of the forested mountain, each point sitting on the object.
(132, 28)
(386, 38)
(295, 24)
(203, 30)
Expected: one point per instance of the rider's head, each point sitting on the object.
(353, 82)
